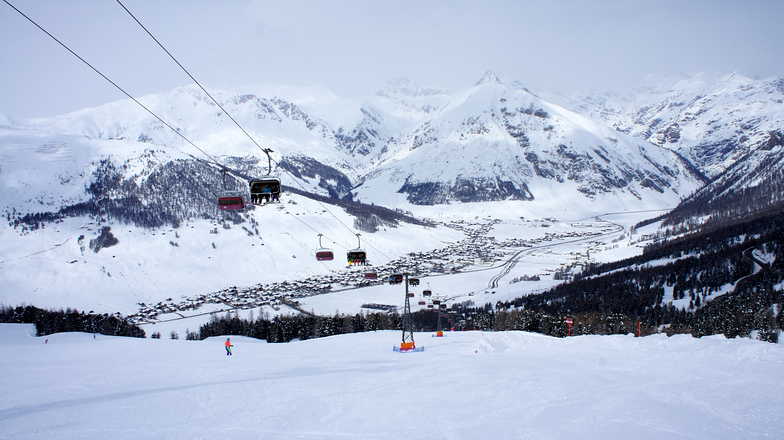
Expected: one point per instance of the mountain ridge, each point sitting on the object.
(407, 149)
(485, 148)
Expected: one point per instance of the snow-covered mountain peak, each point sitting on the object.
(659, 83)
(712, 120)
(406, 87)
(408, 145)
(497, 142)
(489, 78)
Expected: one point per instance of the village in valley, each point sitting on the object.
(483, 250)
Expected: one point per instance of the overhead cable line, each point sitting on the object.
(35, 253)
(113, 83)
(213, 160)
(316, 230)
(265, 150)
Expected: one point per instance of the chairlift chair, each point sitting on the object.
(322, 253)
(395, 278)
(358, 255)
(229, 201)
(265, 188)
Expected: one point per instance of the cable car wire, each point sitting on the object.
(35, 253)
(194, 79)
(316, 230)
(112, 82)
(265, 150)
(212, 159)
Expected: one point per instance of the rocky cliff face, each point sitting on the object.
(712, 121)
(409, 144)
(500, 142)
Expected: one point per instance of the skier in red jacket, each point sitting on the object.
(228, 347)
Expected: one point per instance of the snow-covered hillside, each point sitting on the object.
(466, 385)
(712, 121)
(495, 141)
(491, 141)
(492, 157)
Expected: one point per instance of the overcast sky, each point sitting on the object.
(353, 47)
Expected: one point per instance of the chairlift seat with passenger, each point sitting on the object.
(266, 188)
(356, 256)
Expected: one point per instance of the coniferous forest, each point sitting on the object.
(708, 281)
(714, 283)
(48, 322)
(728, 281)
(725, 281)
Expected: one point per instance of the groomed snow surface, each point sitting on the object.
(466, 385)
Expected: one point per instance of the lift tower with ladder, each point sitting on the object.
(407, 343)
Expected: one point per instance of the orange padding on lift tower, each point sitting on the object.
(407, 346)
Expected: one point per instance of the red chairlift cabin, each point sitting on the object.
(426, 293)
(430, 306)
(324, 254)
(231, 203)
(421, 303)
(410, 294)
(371, 275)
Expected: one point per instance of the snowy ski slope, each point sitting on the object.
(467, 385)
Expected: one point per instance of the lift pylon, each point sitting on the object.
(407, 343)
(439, 330)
